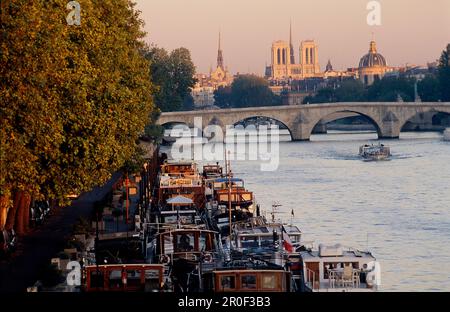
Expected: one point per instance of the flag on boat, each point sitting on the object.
(287, 244)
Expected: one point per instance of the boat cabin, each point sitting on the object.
(248, 280)
(237, 193)
(188, 244)
(222, 183)
(332, 268)
(181, 169)
(212, 171)
(179, 210)
(124, 278)
(256, 233)
(267, 241)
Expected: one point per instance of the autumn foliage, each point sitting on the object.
(74, 99)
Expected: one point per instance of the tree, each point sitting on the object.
(444, 74)
(325, 95)
(173, 74)
(250, 91)
(188, 102)
(222, 96)
(351, 90)
(428, 89)
(389, 88)
(74, 99)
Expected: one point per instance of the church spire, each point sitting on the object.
(291, 46)
(329, 67)
(220, 55)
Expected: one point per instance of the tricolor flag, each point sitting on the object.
(287, 244)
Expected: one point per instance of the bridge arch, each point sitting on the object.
(171, 124)
(426, 120)
(282, 125)
(344, 113)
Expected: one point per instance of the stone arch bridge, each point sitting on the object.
(388, 118)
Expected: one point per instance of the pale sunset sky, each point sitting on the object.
(411, 31)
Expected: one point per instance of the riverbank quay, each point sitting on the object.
(37, 248)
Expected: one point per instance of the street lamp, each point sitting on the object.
(126, 190)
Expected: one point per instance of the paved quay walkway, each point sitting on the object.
(38, 247)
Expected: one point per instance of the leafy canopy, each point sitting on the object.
(74, 98)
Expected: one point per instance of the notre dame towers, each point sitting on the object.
(283, 64)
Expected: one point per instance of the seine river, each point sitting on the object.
(399, 209)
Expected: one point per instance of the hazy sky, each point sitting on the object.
(411, 31)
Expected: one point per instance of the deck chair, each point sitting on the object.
(347, 276)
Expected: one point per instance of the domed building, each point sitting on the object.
(372, 66)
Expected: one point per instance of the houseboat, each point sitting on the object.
(229, 192)
(272, 242)
(335, 269)
(187, 253)
(178, 179)
(248, 280)
(124, 278)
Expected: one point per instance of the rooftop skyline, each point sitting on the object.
(410, 32)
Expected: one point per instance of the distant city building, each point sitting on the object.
(283, 66)
(203, 91)
(329, 67)
(417, 72)
(372, 66)
(331, 73)
(220, 76)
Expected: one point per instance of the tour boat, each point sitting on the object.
(335, 269)
(374, 152)
(447, 134)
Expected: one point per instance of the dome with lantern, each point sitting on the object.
(373, 58)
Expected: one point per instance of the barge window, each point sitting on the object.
(249, 242)
(152, 280)
(185, 242)
(269, 281)
(115, 279)
(228, 282)
(168, 244)
(97, 280)
(248, 281)
(202, 242)
(133, 278)
(266, 242)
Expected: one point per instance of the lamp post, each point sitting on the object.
(229, 194)
(96, 242)
(126, 203)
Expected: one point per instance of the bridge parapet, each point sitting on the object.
(387, 117)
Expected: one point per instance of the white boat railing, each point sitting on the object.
(311, 279)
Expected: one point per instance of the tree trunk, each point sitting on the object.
(19, 213)
(23, 213)
(4, 205)
(11, 217)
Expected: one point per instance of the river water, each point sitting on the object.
(399, 209)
